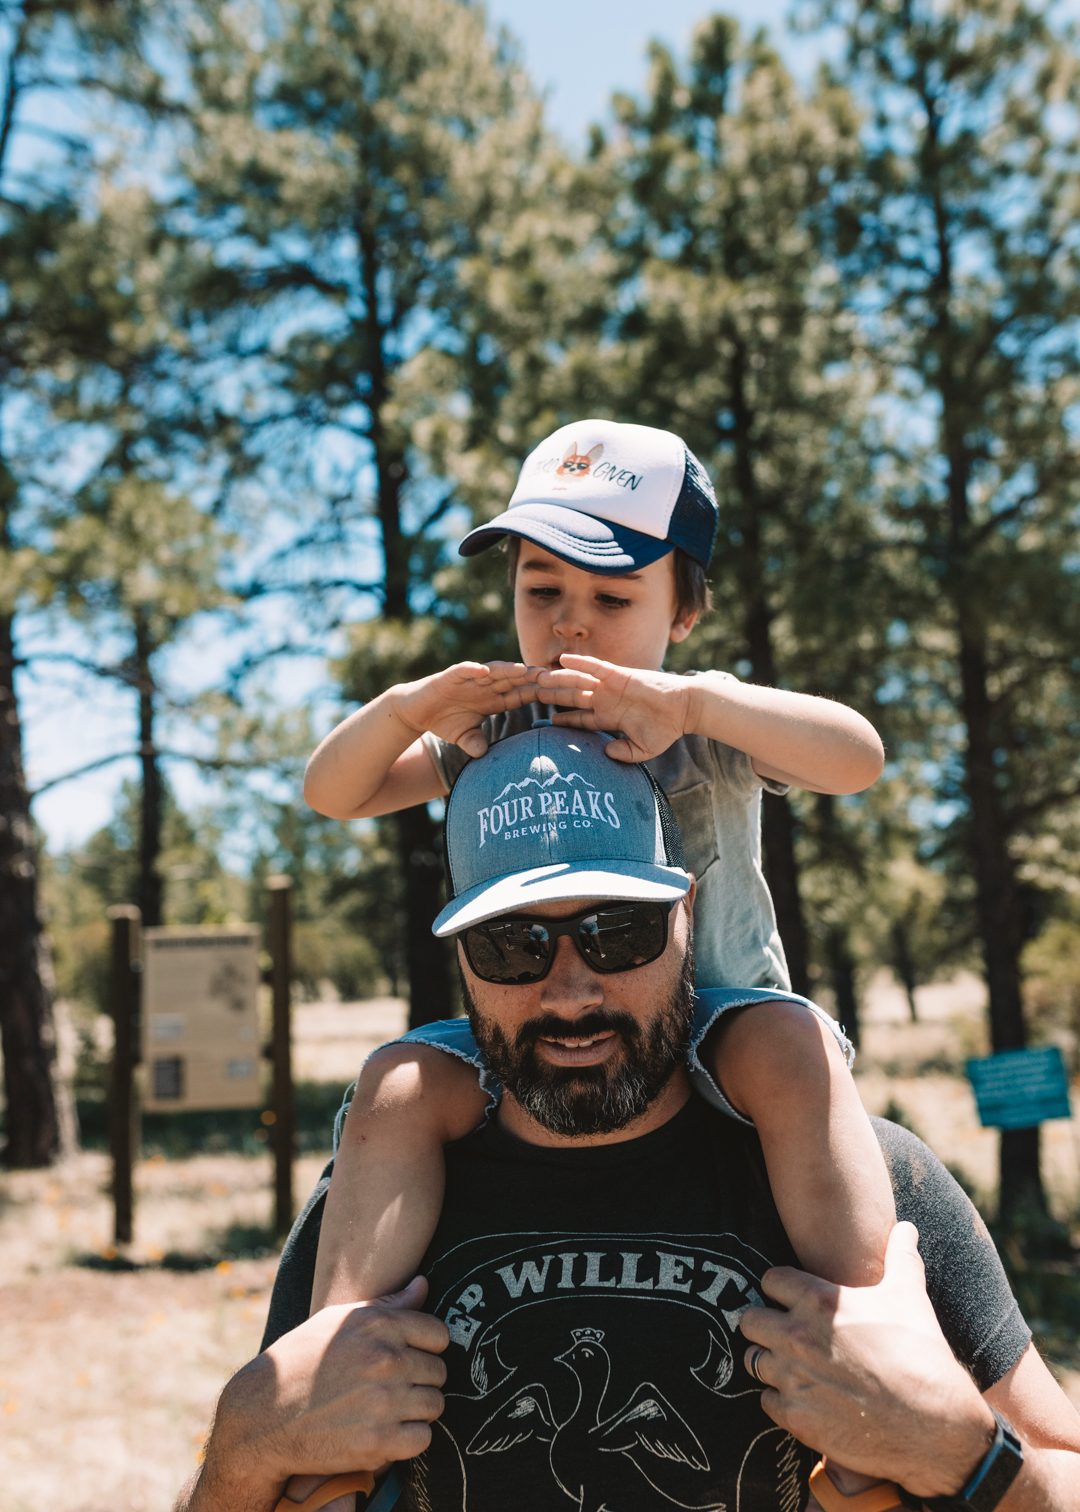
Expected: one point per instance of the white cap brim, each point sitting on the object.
(617, 881)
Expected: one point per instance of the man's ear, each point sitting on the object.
(682, 626)
(689, 899)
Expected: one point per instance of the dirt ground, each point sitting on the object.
(108, 1379)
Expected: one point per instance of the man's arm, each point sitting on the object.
(866, 1377)
(795, 738)
(353, 1388)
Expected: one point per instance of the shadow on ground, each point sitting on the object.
(240, 1241)
(236, 1131)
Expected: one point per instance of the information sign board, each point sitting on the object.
(1017, 1089)
(200, 1021)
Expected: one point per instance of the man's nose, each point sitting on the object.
(570, 987)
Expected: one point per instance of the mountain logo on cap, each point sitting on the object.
(577, 804)
(542, 773)
(577, 464)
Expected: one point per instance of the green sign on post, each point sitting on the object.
(1017, 1089)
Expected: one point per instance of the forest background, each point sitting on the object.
(289, 291)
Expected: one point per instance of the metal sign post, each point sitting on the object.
(123, 1106)
(284, 1125)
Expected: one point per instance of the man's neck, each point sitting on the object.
(514, 1120)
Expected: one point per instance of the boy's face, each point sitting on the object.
(628, 620)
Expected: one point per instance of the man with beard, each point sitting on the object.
(608, 1242)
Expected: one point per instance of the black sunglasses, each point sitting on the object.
(619, 937)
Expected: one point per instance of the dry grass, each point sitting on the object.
(108, 1379)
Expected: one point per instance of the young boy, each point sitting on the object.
(611, 529)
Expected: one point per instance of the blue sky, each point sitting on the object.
(582, 50)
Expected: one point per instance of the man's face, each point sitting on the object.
(584, 1054)
(628, 620)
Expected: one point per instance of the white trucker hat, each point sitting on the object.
(547, 816)
(609, 498)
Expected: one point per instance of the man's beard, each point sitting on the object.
(583, 1100)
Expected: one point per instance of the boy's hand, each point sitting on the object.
(453, 703)
(652, 709)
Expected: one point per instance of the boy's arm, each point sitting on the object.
(373, 763)
(795, 738)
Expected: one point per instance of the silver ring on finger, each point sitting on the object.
(752, 1365)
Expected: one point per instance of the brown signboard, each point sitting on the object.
(200, 1025)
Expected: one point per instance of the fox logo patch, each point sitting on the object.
(577, 464)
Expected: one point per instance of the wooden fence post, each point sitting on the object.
(284, 1125)
(123, 1105)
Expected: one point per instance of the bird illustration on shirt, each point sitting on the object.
(647, 1430)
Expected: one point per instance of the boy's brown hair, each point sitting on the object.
(692, 592)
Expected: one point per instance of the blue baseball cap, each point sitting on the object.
(545, 817)
(609, 498)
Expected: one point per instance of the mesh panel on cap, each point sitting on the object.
(694, 518)
(669, 828)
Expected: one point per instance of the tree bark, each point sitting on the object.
(999, 919)
(151, 889)
(27, 1029)
(431, 994)
(842, 972)
(905, 968)
(777, 820)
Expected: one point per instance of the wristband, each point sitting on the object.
(337, 1485)
(883, 1497)
(992, 1477)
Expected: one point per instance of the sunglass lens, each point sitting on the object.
(511, 951)
(618, 939)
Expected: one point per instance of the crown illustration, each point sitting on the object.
(587, 1335)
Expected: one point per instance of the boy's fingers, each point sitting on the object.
(568, 677)
(572, 698)
(575, 719)
(620, 750)
(591, 664)
(473, 743)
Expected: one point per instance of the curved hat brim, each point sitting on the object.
(617, 881)
(580, 539)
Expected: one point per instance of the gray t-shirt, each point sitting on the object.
(716, 797)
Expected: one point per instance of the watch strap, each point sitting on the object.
(991, 1478)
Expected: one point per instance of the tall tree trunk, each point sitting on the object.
(995, 888)
(842, 972)
(905, 967)
(777, 819)
(431, 994)
(27, 1030)
(999, 920)
(151, 889)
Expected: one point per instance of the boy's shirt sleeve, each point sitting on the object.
(450, 760)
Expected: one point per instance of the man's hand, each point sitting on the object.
(652, 709)
(864, 1374)
(453, 703)
(354, 1388)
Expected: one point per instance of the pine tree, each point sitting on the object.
(732, 332)
(968, 206)
(65, 47)
(349, 159)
